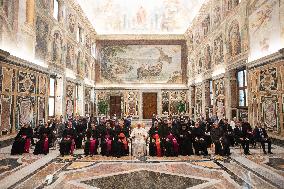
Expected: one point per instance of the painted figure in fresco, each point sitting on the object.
(141, 16)
(22, 141)
(206, 25)
(218, 50)
(41, 39)
(217, 15)
(235, 40)
(139, 136)
(57, 47)
(207, 53)
(70, 57)
(220, 109)
(72, 23)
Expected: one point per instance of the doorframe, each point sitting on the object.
(121, 105)
(142, 102)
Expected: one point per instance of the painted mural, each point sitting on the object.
(5, 109)
(42, 31)
(164, 16)
(26, 111)
(268, 80)
(152, 64)
(26, 82)
(219, 93)
(132, 103)
(22, 97)
(270, 110)
(264, 28)
(265, 86)
(70, 99)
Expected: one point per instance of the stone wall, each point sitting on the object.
(169, 101)
(266, 93)
(24, 94)
(223, 39)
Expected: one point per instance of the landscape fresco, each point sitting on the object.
(141, 64)
(264, 29)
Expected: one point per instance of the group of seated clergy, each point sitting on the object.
(166, 137)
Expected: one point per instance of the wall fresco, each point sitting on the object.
(141, 64)
(27, 103)
(264, 28)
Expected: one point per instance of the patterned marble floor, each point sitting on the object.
(78, 171)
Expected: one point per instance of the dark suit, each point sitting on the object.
(261, 136)
(241, 137)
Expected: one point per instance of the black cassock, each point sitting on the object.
(199, 141)
(67, 143)
(80, 130)
(92, 142)
(185, 142)
(22, 141)
(156, 144)
(42, 146)
(120, 143)
(107, 142)
(171, 144)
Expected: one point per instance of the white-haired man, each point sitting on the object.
(139, 136)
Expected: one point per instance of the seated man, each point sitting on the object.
(185, 141)
(67, 144)
(139, 136)
(120, 143)
(220, 141)
(92, 143)
(241, 137)
(42, 146)
(156, 144)
(261, 136)
(22, 141)
(171, 145)
(199, 141)
(107, 136)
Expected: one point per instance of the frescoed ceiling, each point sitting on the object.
(141, 16)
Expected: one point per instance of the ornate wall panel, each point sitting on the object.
(219, 93)
(266, 94)
(198, 101)
(23, 97)
(6, 106)
(70, 99)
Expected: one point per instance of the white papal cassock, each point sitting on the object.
(139, 136)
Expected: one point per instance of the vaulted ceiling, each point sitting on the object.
(140, 16)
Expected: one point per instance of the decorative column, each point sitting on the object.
(205, 98)
(59, 96)
(191, 101)
(30, 12)
(230, 93)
